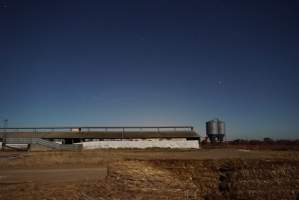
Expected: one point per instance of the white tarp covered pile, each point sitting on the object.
(142, 144)
(15, 145)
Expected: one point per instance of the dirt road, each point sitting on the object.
(52, 175)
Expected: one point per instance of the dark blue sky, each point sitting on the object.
(160, 62)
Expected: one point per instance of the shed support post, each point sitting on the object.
(28, 147)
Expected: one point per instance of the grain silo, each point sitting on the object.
(215, 130)
(212, 130)
(221, 130)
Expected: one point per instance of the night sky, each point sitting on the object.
(162, 62)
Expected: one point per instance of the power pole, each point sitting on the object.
(5, 124)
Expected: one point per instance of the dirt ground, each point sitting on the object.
(51, 175)
(227, 173)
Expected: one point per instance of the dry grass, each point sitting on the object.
(174, 179)
(162, 174)
(92, 158)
